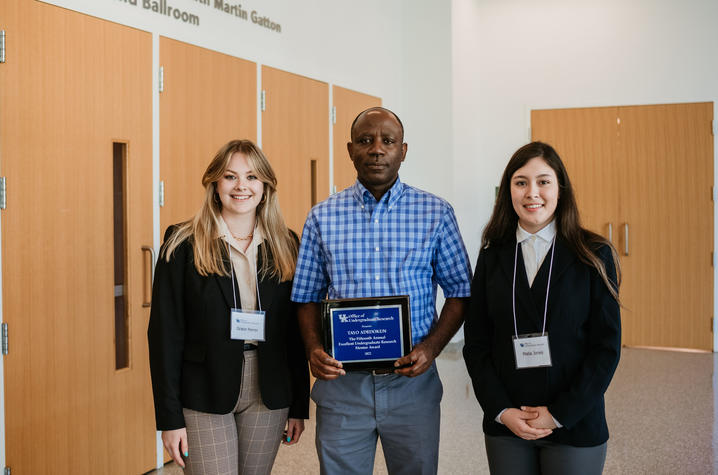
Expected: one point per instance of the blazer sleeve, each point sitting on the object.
(478, 347)
(604, 339)
(298, 365)
(298, 368)
(165, 334)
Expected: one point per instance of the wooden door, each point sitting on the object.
(667, 176)
(76, 100)
(647, 171)
(208, 99)
(347, 105)
(585, 139)
(295, 138)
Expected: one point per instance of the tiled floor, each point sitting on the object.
(661, 410)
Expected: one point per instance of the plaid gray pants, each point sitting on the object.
(244, 441)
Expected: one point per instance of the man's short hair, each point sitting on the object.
(351, 130)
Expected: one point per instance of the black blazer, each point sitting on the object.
(584, 329)
(193, 361)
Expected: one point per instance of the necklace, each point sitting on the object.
(243, 238)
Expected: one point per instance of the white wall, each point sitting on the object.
(426, 96)
(510, 56)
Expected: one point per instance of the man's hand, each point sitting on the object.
(324, 366)
(418, 361)
(517, 421)
(424, 353)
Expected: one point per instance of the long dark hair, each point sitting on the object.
(502, 225)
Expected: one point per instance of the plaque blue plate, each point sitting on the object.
(367, 333)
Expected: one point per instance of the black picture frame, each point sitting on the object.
(367, 333)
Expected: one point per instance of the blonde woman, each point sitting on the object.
(229, 373)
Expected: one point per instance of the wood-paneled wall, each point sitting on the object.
(646, 174)
(70, 87)
(208, 99)
(295, 133)
(348, 104)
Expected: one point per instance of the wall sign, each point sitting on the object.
(162, 7)
(205, 13)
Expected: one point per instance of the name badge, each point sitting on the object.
(532, 351)
(247, 324)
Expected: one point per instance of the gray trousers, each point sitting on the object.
(356, 409)
(245, 441)
(512, 455)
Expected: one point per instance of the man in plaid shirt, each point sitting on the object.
(381, 237)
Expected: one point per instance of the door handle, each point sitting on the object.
(313, 179)
(145, 301)
(625, 242)
(610, 233)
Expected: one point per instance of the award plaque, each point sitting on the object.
(367, 333)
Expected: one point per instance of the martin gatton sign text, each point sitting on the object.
(163, 7)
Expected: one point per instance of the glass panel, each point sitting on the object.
(122, 335)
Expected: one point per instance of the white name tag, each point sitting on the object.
(532, 351)
(247, 324)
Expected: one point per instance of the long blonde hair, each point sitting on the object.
(203, 229)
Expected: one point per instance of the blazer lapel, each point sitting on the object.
(225, 284)
(563, 258)
(527, 315)
(267, 286)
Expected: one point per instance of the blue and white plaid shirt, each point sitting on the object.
(354, 247)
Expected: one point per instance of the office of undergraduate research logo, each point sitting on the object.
(352, 317)
(363, 317)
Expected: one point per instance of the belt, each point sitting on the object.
(383, 371)
(249, 346)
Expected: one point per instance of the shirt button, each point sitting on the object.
(376, 220)
(376, 277)
(376, 249)
(362, 206)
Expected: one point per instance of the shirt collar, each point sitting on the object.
(222, 229)
(394, 193)
(547, 233)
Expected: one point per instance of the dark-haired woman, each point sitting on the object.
(543, 331)
(228, 368)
